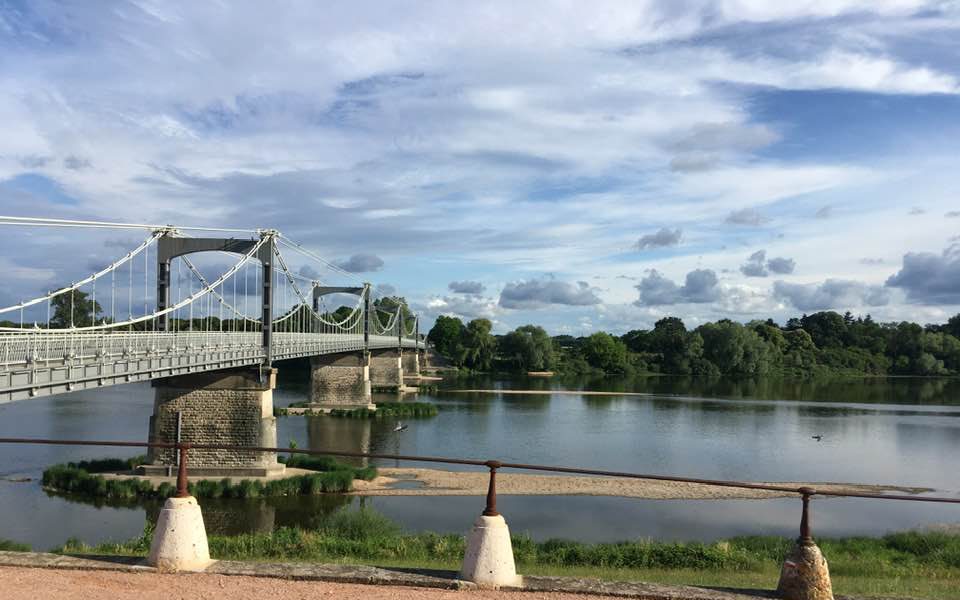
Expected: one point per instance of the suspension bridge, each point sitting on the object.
(209, 341)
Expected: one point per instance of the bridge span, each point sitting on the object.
(209, 343)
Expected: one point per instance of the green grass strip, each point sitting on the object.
(84, 479)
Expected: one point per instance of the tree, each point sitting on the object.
(446, 336)
(528, 348)
(387, 306)
(606, 353)
(74, 309)
(479, 346)
(826, 328)
(676, 346)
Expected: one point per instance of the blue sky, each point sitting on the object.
(577, 165)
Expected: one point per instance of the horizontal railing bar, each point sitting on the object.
(802, 490)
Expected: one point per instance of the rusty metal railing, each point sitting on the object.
(805, 492)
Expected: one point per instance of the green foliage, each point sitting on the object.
(10, 546)
(387, 306)
(331, 477)
(528, 348)
(606, 353)
(74, 309)
(821, 344)
(388, 410)
(479, 345)
(447, 336)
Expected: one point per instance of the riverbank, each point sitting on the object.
(435, 482)
(908, 564)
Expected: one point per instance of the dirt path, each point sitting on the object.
(30, 584)
(432, 482)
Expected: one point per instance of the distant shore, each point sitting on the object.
(433, 482)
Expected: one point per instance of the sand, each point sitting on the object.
(433, 482)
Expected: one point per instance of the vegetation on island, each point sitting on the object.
(86, 479)
(821, 344)
(916, 564)
(384, 410)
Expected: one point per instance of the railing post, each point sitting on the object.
(805, 575)
(491, 508)
(180, 538)
(182, 487)
(488, 561)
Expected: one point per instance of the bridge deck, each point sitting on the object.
(36, 364)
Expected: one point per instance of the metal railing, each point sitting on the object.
(183, 448)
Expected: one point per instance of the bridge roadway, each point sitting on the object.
(47, 363)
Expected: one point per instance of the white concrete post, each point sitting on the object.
(488, 561)
(180, 539)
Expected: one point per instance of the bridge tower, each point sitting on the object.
(342, 380)
(230, 407)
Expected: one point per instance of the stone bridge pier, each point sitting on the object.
(340, 381)
(386, 369)
(410, 359)
(231, 407)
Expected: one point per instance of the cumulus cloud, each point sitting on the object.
(832, 293)
(747, 216)
(700, 286)
(466, 287)
(757, 265)
(781, 265)
(916, 210)
(467, 307)
(930, 278)
(662, 238)
(539, 293)
(361, 263)
(952, 214)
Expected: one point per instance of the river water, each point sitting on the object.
(903, 431)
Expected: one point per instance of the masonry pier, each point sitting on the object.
(340, 381)
(386, 369)
(231, 407)
(411, 363)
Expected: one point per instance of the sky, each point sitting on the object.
(578, 165)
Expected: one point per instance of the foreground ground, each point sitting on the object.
(29, 584)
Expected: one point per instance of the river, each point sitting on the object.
(903, 431)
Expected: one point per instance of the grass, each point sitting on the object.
(84, 479)
(11, 546)
(388, 410)
(917, 564)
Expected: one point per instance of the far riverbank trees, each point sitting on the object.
(820, 344)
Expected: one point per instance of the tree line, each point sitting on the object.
(820, 344)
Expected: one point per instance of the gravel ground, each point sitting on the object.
(30, 584)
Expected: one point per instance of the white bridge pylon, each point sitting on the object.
(154, 313)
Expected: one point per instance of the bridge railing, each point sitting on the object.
(45, 347)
